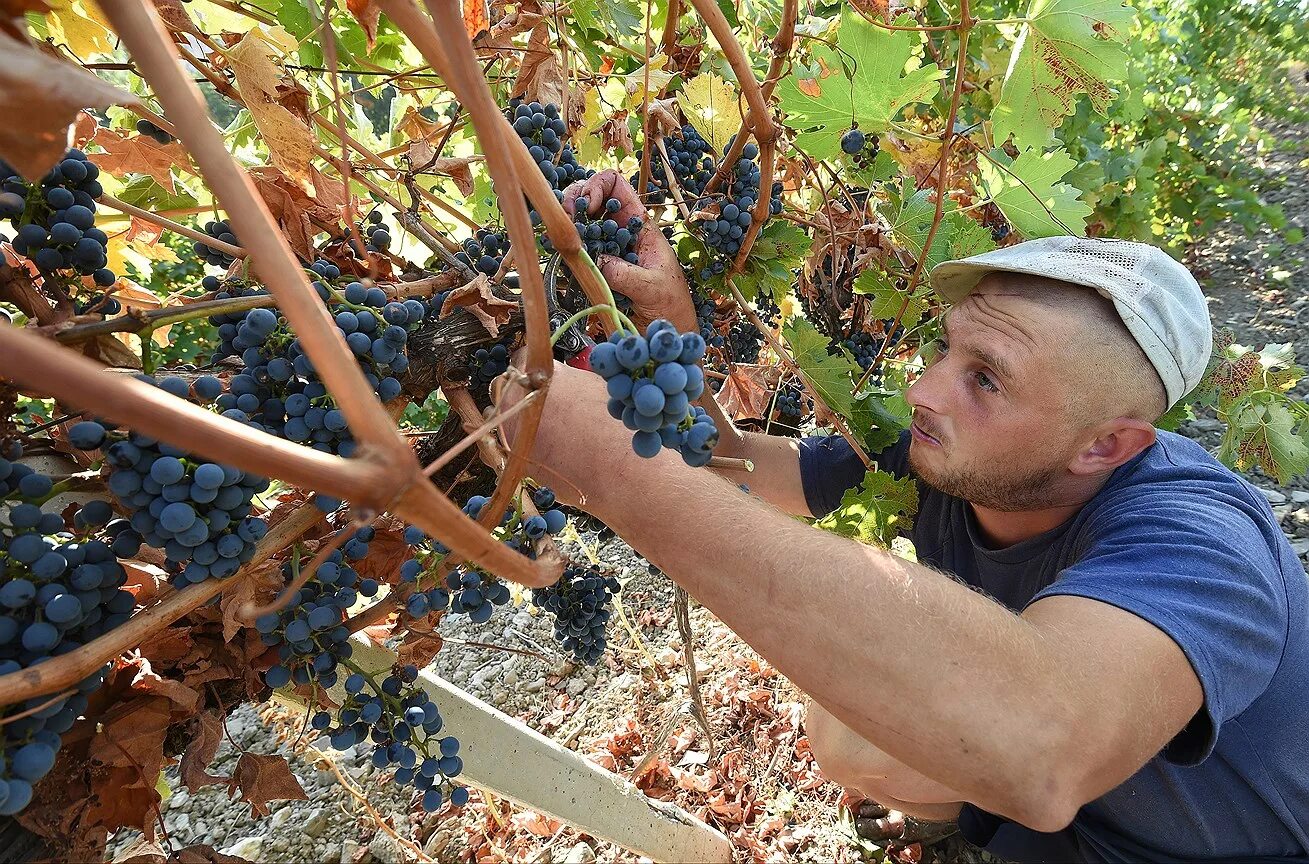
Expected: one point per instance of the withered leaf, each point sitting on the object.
(132, 735)
(748, 391)
(477, 298)
(477, 19)
(289, 140)
(614, 132)
(454, 167)
(419, 648)
(262, 779)
(200, 752)
(175, 16)
(47, 93)
(140, 154)
(292, 207)
(540, 77)
(148, 681)
(258, 585)
(386, 552)
(366, 13)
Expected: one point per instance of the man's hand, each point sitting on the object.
(655, 283)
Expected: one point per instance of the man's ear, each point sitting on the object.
(1118, 441)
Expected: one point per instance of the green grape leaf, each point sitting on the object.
(145, 192)
(777, 254)
(879, 418)
(1067, 47)
(869, 80)
(1263, 433)
(912, 221)
(967, 236)
(874, 511)
(1029, 194)
(1175, 417)
(888, 299)
(832, 377)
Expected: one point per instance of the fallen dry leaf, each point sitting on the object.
(477, 298)
(140, 154)
(47, 93)
(261, 779)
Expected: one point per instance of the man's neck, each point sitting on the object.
(1003, 528)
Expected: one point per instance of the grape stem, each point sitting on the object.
(175, 227)
(588, 311)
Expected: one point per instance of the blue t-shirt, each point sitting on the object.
(1179, 540)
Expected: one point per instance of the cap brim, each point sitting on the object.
(954, 280)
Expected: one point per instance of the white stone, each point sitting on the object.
(580, 854)
(1273, 495)
(575, 687)
(349, 849)
(534, 686)
(316, 823)
(1299, 496)
(1301, 547)
(181, 822)
(279, 819)
(249, 848)
(384, 849)
(179, 799)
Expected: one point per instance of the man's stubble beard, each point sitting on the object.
(994, 490)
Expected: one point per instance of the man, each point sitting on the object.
(1101, 653)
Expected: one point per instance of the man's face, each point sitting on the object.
(992, 400)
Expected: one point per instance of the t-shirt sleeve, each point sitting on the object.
(829, 466)
(1203, 572)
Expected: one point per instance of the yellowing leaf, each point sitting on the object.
(713, 107)
(1066, 48)
(288, 138)
(635, 82)
(81, 26)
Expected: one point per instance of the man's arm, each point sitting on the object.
(776, 474)
(1026, 716)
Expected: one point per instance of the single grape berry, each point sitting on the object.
(852, 142)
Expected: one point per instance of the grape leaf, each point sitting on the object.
(265, 778)
(874, 92)
(875, 510)
(144, 192)
(83, 29)
(967, 236)
(1067, 47)
(1264, 434)
(1029, 194)
(713, 107)
(288, 138)
(888, 299)
(878, 419)
(777, 254)
(832, 377)
(912, 222)
(140, 154)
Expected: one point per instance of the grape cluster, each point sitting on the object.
(484, 251)
(864, 346)
(744, 341)
(97, 304)
(59, 589)
(376, 238)
(603, 235)
(195, 510)
(324, 269)
(487, 364)
(705, 311)
(790, 405)
(404, 725)
(544, 134)
(55, 219)
(723, 232)
(309, 633)
(860, 146)
(693, 166)
(580, 603)
(279, 389)
(145, 127)
(652, 380)
(219, 230)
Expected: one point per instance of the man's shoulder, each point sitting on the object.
(1178, 469)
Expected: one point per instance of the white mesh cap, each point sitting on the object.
(1157, 298)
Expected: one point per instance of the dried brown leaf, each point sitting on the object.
(148, 681)
(108, 349)
(477, 19)
(292, 207)
(386, 552)
(366, 13)
(261, 779)
(540, 77)
(748, 391)
(203, 853)
(456, 168)
(200, 752)
(477, 298)
(614, 132)
(140, 154)
(132, 734)
(175, 17)
(257, 586)
(47, 93)
(289, 139)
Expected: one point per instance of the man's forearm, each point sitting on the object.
(819, 608)
(776, 474)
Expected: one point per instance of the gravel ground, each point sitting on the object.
(1258, 286)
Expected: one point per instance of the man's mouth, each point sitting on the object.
(918, 433)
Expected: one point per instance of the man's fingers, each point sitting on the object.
(653, 251)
